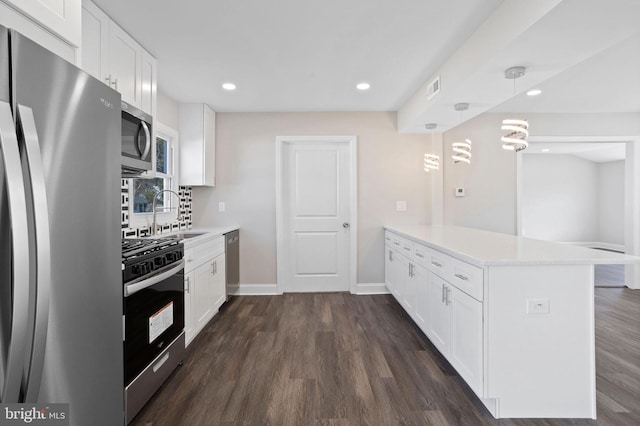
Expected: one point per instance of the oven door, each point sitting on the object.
(154, 317)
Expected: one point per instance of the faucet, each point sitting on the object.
(154, 230)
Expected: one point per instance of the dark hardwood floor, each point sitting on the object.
(609, 276)
(339, 359)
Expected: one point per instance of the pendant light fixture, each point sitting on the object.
(431, 161)
(461, 150)
(517, 130)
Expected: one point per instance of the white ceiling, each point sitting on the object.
(297, 55)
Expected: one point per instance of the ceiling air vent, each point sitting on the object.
(434, 88)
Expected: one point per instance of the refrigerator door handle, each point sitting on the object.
(14, 354)
(42, 250)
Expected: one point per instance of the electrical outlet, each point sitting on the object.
(401, 206)
(459, 192)
(221, 207)
(537, 306)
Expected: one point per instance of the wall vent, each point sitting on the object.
(434, 88)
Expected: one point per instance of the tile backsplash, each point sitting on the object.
(184, 209)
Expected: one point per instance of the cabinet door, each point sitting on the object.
(209, 146)
(421, 300)
(202, 296)
(466, 339)
(125, 63)
(439, 314)
(409, 293)
(95, 41)
(189, 322)
(388, 269)
(219, 289)
(398, 268)
(61, 17)
(149, 85)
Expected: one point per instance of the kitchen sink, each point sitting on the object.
(185, 235)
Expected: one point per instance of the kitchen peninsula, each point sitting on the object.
(514, 316)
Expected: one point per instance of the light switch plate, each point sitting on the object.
(221, 207)
(401, 206)
(537, 306)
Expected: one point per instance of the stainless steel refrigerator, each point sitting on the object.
(60, 264)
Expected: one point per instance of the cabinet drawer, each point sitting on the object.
(421, 255)
(388, 238)
(195, 256)
(468, 278)
(406, 247)
(440, 264)
(396, 241)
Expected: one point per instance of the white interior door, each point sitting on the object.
(316, 208)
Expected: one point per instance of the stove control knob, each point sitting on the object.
(159, 261)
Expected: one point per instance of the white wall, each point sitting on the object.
(489, 181)
(611, 202)
(390, 168)
(560, 198)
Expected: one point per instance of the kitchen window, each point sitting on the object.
(142, 191)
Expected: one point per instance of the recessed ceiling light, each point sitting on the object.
(534, 92)
(229, 86)
(545, 150)
(363, 86)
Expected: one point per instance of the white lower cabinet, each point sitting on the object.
(204, 286)
(449, 317)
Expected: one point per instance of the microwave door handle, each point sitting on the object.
(147, 136)
(43, 251)
(18, 287)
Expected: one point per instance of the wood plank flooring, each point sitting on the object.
(609, 276)
(340, 359)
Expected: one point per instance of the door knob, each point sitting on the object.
(345, 225)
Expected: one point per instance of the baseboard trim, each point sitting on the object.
(371, 288)
(598, 245)
(252, 290)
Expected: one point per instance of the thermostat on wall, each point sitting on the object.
(459, 192)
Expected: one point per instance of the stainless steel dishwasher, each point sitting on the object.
(232, 240)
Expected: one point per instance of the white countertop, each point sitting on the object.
(207, 233)
(491, 248)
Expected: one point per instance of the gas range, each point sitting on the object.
(144, 256)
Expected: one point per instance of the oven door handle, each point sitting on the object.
(130, 289)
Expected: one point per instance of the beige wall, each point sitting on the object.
(390, 168)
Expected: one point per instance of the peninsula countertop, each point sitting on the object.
(484, 248)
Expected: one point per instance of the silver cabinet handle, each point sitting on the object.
(462, 277)
(419, 255)
(187, 284)
(190, 259)
(43, 249)
(406, 248)
(447, 299)
(395, 243)
(147, 136)
(14, 182)
(443, 293)
(107, 79)
(439, 265)
(411, 270)
(114, 83)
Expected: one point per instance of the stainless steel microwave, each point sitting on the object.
(137, 143)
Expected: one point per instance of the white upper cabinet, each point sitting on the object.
(149, 85)
(61, 17)
(114, 57)
(55, 25)
(125, 65)
(95, 41)
(197, 145)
